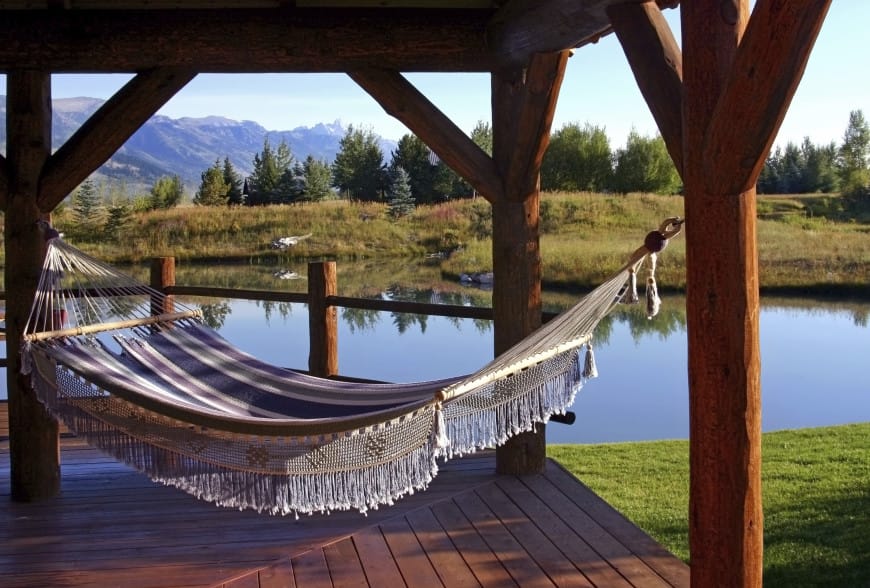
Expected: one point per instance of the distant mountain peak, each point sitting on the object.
(188, 146)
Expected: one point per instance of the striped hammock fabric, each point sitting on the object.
(170, 396)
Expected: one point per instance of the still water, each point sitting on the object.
(814, 354)
(814, 361)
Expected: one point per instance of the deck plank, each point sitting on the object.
(558, 568)
(310, 569)
(550, 522)
(409, 555)
(486, 567)
(345, 567)
(279, 575)
(111, 526)
(447, 561)
(503, 544)
(376, 559)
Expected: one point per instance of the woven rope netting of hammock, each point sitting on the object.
(137, 374)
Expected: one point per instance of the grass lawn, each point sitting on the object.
(816, 491)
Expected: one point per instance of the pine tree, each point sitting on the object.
(401, 201)
(233, 181)
(213, 189)
(86, 206)
(118, 216)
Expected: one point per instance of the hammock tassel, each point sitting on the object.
(441, 440)
(630, 296)
(653, 301)
(590, 370)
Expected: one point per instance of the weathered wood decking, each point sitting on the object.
(111, 526)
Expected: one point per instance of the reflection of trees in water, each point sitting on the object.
(284, 309)
(360, 319)
(215, 314)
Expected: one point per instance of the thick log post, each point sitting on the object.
(523, 103)
(33, 434)
(725, 511)
(162, 277)
(322, 319)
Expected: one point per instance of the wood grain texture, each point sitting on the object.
(722, 307)
(107, 130)
(241, 40)
(400, 99)
(657, 64)
(322, 319)
(33, 433)
(470, 528)
(767, 69)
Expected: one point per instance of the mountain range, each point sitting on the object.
(188, 146)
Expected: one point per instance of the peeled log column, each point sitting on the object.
(33, 434)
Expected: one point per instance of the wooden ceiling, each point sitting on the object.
(293, 36)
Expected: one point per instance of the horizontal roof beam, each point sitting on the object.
(245, 40)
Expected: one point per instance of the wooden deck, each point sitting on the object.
(113, 527)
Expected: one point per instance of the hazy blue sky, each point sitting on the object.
(598, 88)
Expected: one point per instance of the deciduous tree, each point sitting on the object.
(578, 159)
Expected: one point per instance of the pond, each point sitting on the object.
(813, 352)
(812, 361)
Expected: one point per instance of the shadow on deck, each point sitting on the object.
(112, 526)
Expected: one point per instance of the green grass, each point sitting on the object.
(815, 486)
(807, 244)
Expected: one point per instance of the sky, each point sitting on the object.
(598, 88)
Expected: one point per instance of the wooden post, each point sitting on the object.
(722, 307)
(162, 277)
(523, 103)
(33, 434)
(322, 319)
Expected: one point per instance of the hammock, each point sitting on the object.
(137, 374)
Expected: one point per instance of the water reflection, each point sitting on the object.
(813, 352)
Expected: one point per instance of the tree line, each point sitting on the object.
(579, 158)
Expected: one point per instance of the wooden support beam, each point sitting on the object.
(245, 40)
(739, 76)
(400, 99)
(766, 71)
(657, 64)
(522, 28)
(523, 101)
(33, 434)
(4, 182)
(533, 111)
(107, 130)
(322, 319)
(722, 308)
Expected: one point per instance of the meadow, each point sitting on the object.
(807, 244)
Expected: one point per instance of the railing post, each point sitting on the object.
(162, 276)
(322, 320)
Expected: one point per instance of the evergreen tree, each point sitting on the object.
(234, 183)
(578, 159)
(481, 134)
(166, 192)
(118, 215)
(270, 174)
(213, 190)
(358, 170)
(316, 180)
(86, 205)
(414, 156)
(401, 200)
(645, 165)
(853, 167)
